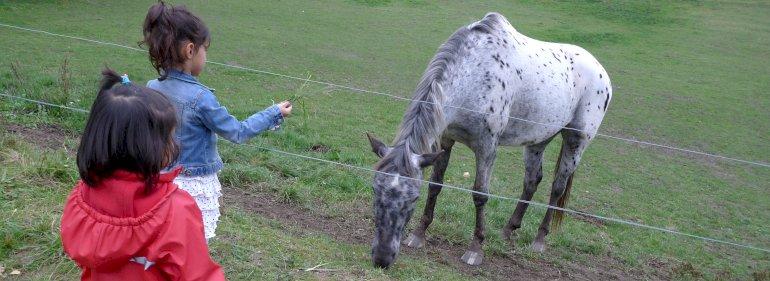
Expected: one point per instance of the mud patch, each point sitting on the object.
(320, 148)
(43, 135)
(359, 229)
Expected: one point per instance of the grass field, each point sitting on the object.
(691, 74)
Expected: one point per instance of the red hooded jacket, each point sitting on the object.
(117, 232)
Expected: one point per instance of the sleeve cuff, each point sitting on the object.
(277, 117)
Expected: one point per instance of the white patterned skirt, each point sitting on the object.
(206, 191)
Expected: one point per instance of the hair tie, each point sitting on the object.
(125, 79)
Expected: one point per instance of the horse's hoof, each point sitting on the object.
(414, 241)
(472, 258)
(538, 247)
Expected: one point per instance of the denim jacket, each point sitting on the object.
(202, 118)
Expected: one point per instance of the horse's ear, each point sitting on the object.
(378, 147)
(429, 158)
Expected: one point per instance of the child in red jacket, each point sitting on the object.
(125, 220)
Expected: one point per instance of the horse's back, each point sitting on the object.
(503, 73)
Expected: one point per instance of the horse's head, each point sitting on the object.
(396, 189)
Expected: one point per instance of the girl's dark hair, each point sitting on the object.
(129, 128)
(165, 29)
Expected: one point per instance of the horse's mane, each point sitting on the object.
(423, 120)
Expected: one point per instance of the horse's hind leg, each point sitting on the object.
(573, 145)
(417, 238)
(485, 158)
(533, 174)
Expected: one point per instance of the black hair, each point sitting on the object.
(129, 128)
(165, 29)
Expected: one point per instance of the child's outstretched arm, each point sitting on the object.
(218, 119)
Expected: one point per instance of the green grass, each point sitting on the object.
(691, 74)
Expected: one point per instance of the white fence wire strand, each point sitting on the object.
(538, 204)
(359, 90)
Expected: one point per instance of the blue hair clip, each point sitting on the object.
(125, 79)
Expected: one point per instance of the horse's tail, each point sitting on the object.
(558, 215)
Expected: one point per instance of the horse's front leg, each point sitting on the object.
(485, 159)
(417, 238)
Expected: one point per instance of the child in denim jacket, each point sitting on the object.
(177, 41)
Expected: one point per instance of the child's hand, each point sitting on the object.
(285, 107)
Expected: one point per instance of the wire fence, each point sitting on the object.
(538, 204)
(397, 97)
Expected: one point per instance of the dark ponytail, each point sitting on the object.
(166, 29)
(109, 79)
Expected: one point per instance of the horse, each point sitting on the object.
(487, 86)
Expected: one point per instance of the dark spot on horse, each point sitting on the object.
(505, 41)
(491, 109)
(600, 75)
(557, 58)
(598, 92)
(542, 81)
(394, 194)
(393, 217)
(606, 101)
(489, 87)
(545, 65)
(503, 83)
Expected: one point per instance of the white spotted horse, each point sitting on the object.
(488, 86)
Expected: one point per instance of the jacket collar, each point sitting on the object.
(185, 77)
(162, 178)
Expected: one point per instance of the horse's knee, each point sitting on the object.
(479, 200)
(557, 191)
(533, 180)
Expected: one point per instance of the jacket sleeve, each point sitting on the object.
(215, 117)
(181, 248)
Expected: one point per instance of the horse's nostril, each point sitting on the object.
(382, 259)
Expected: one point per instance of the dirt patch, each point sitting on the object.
(43, 135)
(358, 230)
(320, 148)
